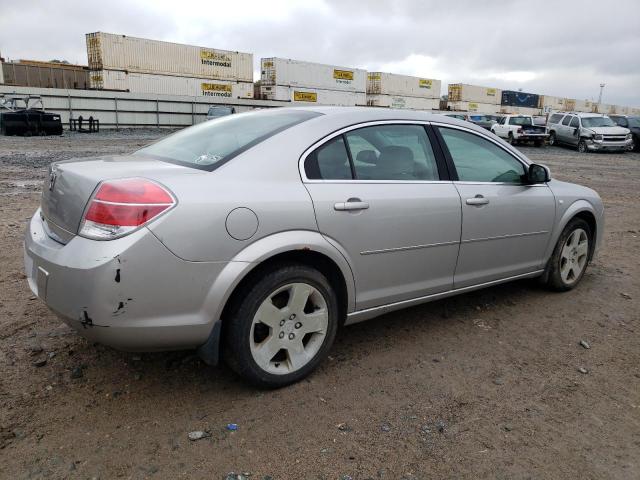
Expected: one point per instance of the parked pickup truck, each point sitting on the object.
(520, 128)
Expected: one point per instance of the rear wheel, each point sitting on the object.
(282, 327)
(538, 143)
(510, 139)
(552, 138)
(570, 256)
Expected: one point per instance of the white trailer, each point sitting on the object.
(107, 51)
(381, 83)
(168, 84)
(462, 92)
(312, 95)
(475, 107)
(285, 72)
(403, 102)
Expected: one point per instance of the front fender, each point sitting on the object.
(565, 216)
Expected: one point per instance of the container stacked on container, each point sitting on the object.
(296, 81)
(402, 91)
(32, 73)
(120, 62)
(473, 98)
(519, 103)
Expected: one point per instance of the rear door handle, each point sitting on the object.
(351, 204)
(478, 200)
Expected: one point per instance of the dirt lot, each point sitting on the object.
(485, 385)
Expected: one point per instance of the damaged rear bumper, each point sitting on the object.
(131, 293)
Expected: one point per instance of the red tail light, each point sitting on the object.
(121, 206)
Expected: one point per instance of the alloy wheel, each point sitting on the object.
(574, 255)
(289, 328)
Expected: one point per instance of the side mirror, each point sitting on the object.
(538, 174)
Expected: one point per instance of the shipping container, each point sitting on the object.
(312, 95)
(29, 73)
(475, 107)
(507, 109)
(403, 102)
(169, 84)
(549, 103)
(519, 99)
(403, 85)
(462, 92)
(107, 51)
(294, 73)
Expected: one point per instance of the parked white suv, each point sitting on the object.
(588, 132)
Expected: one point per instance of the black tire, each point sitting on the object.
(538, 143)
(552, 277)
(582, 146)
(552, 139)
(510, 139)
(237, 327)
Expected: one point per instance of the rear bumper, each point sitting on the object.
(131, 293)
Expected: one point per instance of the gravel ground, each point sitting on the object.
(484, 385)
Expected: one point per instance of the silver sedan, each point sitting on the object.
(253, 237)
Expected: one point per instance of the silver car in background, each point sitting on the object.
(253, 237)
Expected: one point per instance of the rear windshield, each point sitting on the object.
(597, 122)
(522, 121)
(208, 145)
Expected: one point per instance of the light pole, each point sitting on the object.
(600, 97)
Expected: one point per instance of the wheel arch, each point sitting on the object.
(306, 247)
(578, 209)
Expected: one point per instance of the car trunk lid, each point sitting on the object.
(70, 184)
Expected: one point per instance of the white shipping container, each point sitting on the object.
(312, 95)
(605, 108)
(462, 92)
(474, 107)
(294, 73)
(403, 102)
(402, 85)
(583, 106)
(550, 103)
(107, 51)
(169, 84)
(520, 110)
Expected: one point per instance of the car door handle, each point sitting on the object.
(351, 204)
(478, 200)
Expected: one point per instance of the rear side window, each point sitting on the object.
(556, 117)
(381, 152)
(392, 152)
(478, 160)
(329, 162)
(208, 145)
(567, 119)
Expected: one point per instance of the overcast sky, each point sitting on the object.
(555, 47)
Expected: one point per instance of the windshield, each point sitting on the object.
(208, 145)
(589, 122)
(634, 122)
(522, 121)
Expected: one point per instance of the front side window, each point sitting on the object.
(392, 152)
(208, 145)
(478, 160)
(567, 120)
(574, 122)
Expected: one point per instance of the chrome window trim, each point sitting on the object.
(372, 123)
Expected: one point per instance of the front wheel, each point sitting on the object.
(582, 146)
(282, 326)
(552, 139)
(570, 257)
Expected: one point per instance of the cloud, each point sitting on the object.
(563, 48)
